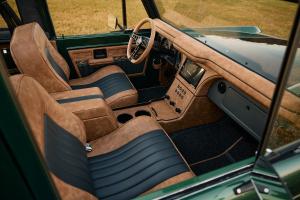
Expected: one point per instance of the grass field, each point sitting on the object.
(75, 17)
(273, 17)
(90, 16)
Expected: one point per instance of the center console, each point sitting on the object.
(185, 104)
(183, 89)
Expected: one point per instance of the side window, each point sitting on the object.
(287, 126)
(3, 24)
(13, 5)
(82, 17)
(135, 12)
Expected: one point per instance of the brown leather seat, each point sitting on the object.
(34, 55)
(134, 159)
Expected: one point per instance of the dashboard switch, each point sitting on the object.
(178, 110)
(172, 103)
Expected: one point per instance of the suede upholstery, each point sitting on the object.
(36, 102)
(30, 49)
(96, 115)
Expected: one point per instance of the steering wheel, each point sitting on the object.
(141, 43)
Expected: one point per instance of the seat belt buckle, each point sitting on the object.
(88, 147)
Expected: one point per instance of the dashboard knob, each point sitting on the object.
(167, 97)
(222, 87)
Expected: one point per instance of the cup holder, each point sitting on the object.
(142, 113)
(123, 118)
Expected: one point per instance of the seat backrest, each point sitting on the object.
(34, 55)
(60, 137)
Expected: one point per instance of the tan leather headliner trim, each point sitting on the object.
(254, 85)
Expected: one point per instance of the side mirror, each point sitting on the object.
(112, 21)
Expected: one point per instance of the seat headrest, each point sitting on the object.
(34, 55)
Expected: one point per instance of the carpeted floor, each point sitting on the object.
(212, 146)
(153, 93)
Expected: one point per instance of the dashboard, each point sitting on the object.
(187, 85)
(190, 71)
(210, 66)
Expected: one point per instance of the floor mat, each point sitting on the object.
(153, 93)
(212, 146)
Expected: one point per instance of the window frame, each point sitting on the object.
(280, 88)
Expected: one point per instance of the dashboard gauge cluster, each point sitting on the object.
(165, 43)
(168, 52)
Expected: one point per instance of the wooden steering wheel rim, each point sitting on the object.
(150, 43)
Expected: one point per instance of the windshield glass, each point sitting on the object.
(253, 33)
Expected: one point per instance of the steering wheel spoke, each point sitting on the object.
(134, 53)
(135, 37)
(145, 41)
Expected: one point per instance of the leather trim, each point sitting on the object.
(66, 157)
(124, 173)
(28, 51)
(76, 93)
(109, 85)
(55, 65)
(65, 129)
(127, 97)
(105, 71)
(136, 167)
(113, 54)
(254, 85)
(126, 133)
(82, 98)
(171, 181)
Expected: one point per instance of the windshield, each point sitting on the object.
(253, 33)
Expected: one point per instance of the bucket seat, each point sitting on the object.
(135, 159)
(34, 54)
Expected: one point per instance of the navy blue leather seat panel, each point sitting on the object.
(82, 98)
(136, 167)
(123, 173)
(66, 156)
(55, 65)
(109, 85)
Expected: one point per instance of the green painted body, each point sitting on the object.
(224, 189)
(289, 171)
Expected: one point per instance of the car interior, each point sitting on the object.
(139, 117)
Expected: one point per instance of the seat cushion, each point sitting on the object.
(139, 155)
(135, 167)
(124, 173)
(117, 89)
(129, 132)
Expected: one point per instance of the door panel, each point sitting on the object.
(88, 60)
(77, 48)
